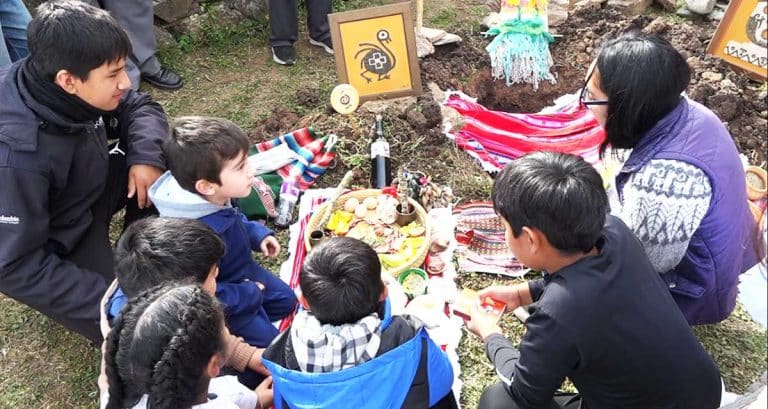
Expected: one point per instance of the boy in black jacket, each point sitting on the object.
(600, 316)
(76, 144)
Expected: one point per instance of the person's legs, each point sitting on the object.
(497, 397)
(14, 19)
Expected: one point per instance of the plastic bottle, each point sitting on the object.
(289, 195)
(381, 174)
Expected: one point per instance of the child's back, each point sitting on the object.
(345, 349)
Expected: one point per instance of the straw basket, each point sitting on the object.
(322, 213)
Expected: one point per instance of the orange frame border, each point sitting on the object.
(718, 41)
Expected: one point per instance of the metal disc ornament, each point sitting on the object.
(345, 99)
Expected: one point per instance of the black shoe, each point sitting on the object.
(284, 54)
(326, 44)
(164, 79)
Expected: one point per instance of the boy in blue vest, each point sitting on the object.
(345, 349)
(208, 169)
(600, 315)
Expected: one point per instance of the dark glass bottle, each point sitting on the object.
(381, 173)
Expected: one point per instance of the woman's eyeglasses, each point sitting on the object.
(583, 101)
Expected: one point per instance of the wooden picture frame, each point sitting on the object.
(742, 36)
(375, 50)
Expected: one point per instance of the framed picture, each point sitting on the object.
(741, 38)
(375, 51)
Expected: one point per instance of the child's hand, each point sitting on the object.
(270, 246)
(482, 323)
(508, 294)
(265, 393)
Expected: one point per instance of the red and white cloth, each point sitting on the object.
(496, 138)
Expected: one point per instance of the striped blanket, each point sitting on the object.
(481, 243)
(495, 138)
(312, 154)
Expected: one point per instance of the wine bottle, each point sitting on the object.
(381, 174)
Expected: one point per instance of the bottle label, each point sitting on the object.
(380, 148)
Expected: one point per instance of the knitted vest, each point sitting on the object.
(704, 284)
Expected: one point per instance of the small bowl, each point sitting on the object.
(414, 282)
(317, 237)
(758, 188)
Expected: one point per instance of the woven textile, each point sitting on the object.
(481, 244)
(314, 153)
(495, 138)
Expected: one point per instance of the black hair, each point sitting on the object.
(160, 250)
(643, 77)
(341, 280)
(559, 194)
(74, 36)
(161, 345)
(199, 146)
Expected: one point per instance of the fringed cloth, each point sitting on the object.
(496, 138)
(481, 243)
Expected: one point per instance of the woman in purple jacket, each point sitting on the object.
(682, 189)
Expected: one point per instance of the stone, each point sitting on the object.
(557, 12)
(171, 11)
(711, 76)
(424, 47)
(694, 63)
(702, 7)
(630, 7)
(164, 38)
(716, 14)
(253, 9)
(219, 15)
(658, 26)
(684, 12)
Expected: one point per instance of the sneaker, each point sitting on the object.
(284, 54)
(326, 44)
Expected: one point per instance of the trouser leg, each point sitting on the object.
(283, 22)
(317, 19)
(497, 397)
(137, 19)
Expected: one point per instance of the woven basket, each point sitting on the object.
(421, 215)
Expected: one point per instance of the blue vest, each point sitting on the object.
(704, 284)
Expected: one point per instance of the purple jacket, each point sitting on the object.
(704, 284)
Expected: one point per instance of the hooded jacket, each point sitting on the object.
(402, 375)
(248, 309)
(53, 171)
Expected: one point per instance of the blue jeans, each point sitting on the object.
(14, 19)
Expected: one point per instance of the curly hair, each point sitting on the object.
(160, 346)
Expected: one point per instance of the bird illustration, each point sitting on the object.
(377, 59)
